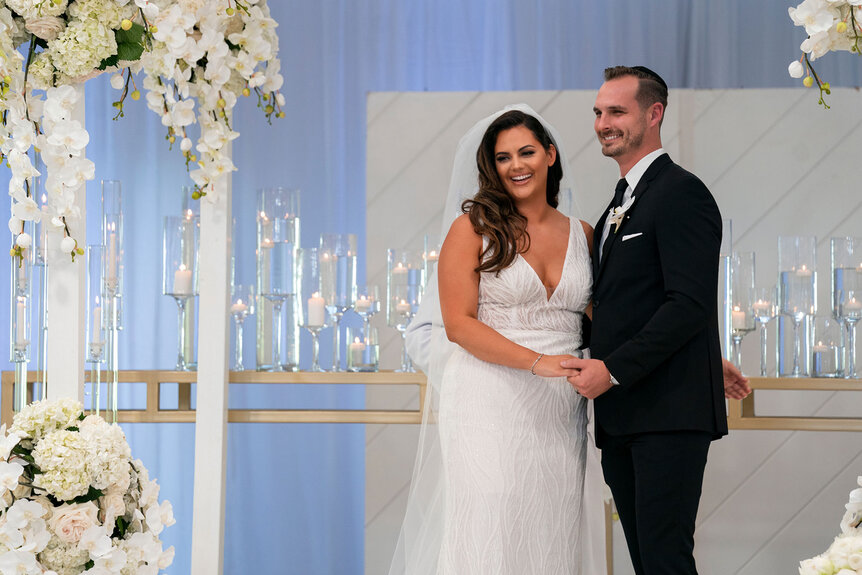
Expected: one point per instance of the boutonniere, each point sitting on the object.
(616, 215)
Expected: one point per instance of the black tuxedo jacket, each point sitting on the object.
(655, 318)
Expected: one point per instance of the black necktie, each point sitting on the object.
(619, 191)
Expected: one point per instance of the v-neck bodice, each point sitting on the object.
(517, 300)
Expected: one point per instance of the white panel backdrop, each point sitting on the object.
(777, 165)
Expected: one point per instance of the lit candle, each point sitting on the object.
(853, 305)
(183, 281)
(738, 319)
(316, 311)
(761, 308)
(238, 307)
(96, 332)
(803, 272)
(363, 304)
(21, 322)
(402, 307)
(819, 348)
(356, 350)
(399, 269)
(112, 257)
(433, 256)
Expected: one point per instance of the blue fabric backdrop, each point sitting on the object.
(295, 492)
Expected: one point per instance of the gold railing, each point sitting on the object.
(742, 414)
(183, 413)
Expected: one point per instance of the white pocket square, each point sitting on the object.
(630, 236)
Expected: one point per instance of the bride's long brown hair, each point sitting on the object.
(492, 210)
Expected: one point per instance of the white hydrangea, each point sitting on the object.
(62, 456)
(41, 73)
(28, 9)
(43, 417)
(81, 47)
(63, 558)
(110, 12)
(108, 453)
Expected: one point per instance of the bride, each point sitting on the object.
(506, 480)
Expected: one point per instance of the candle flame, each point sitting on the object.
(263, 215)
(182, 267)
(189, 214)
(239, 301)
(356, 340)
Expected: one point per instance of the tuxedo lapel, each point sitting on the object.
(643, 186)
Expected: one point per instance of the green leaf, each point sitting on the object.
(121, 527)
(109, 61)
(89, 564)
(91, 495)
(134, 35)
(129, 51)
(73, 428)
(81, 416)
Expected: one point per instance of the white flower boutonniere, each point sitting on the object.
(616, 215)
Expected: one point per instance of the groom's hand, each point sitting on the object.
(735, 384)
(592, 380)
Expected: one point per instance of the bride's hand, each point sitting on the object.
(549, 366)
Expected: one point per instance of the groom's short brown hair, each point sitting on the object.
(651, 87)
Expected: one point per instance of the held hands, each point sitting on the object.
(549, 366)
(592, 378)
(735, 384)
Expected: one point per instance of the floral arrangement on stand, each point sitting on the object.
(197, 56)
(73, 501)
(844, 556)
(831, 25)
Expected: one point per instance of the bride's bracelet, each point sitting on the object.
(535, 363)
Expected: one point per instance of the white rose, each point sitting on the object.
(47, 28)
(70, 521)
(796, 69)
(846, 572)
(855, 561)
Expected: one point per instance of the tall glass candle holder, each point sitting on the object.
(847, 292)
(764, 310)
(742, 298)
(96, 322)
(19, 336)
(242, 306)
(180, 272)
(313, 311)
(797, 297)
(112, 284)
(725, 305)
(40, 286)
(277, 243)
(337, 283)
(404, 287)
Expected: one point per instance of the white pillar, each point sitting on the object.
(212, 388)
(66, 300)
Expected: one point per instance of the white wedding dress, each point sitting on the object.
(514, 446)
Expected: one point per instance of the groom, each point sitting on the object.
(656, 376)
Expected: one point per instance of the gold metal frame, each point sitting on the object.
(742, 415)
(185, 414)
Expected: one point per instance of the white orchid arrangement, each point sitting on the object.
(844, 556)
(197, 56)
(73, 501)
(831, 25)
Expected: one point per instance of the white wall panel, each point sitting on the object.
(777, 164)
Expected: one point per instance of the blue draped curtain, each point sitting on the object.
(295, 493)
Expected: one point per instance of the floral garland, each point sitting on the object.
(831, 25)
(204, 52)
(72, 500)
(844, 556)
